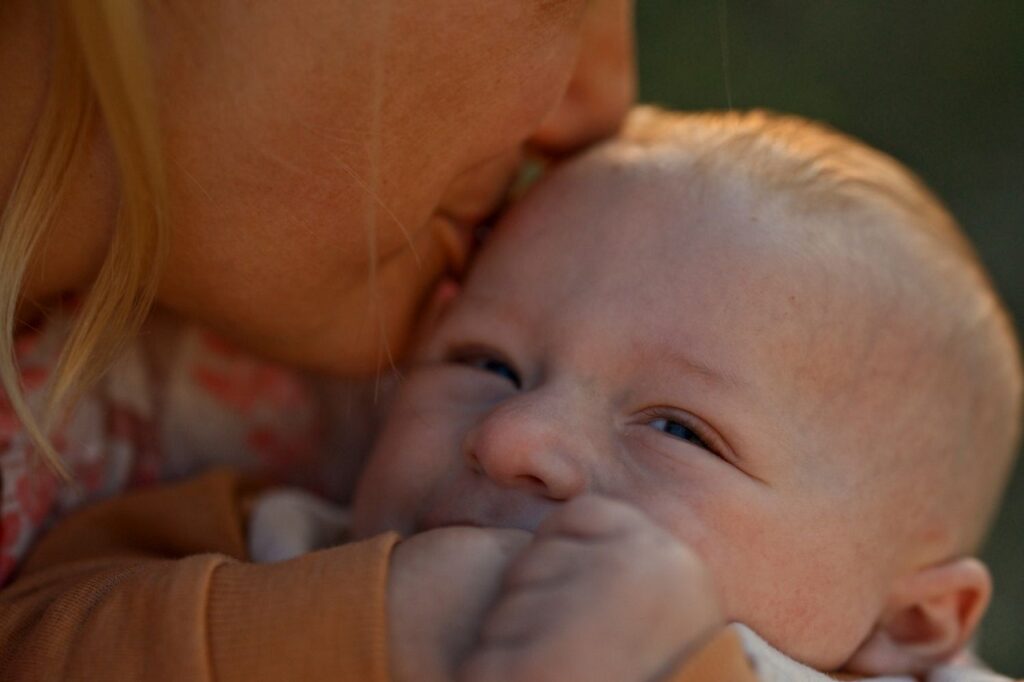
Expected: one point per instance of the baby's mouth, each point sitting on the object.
(528, 525)
(464, 504)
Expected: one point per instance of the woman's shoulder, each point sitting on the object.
(221, 404)
(32, 494)
(180, 399)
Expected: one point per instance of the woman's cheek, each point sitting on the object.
(395, 297)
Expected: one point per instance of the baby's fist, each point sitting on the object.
(601, 593)
(440, 586)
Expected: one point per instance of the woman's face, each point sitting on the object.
(328, 160)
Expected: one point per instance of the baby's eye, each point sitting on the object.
(491, 364)
(679, 430)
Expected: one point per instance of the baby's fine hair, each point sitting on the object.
(814, 171)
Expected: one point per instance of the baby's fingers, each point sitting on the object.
(509, 665)
(519, 617)
(546, 562)
(530, 638)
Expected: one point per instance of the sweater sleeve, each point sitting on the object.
(153, 585)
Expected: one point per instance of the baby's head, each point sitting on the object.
(769, 337)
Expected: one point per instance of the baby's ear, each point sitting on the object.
(929, 617)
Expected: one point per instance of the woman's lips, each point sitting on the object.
(457, 240)
(462, 232)
(472, 204)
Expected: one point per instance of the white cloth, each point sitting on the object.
(288, 522)
(774, 666)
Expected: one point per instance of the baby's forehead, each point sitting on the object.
(817, 302)
(753, 218)
(630, 204)
(609, 225)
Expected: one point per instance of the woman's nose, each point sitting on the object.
(526, 444)
(602, 87)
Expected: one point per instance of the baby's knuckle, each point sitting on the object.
(527, 570)
(517, 665)
(485, 666)
(533, 667)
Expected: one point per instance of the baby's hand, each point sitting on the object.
(440, 586)
(601, 593)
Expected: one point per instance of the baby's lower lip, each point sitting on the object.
(425, 526)
(438, 519)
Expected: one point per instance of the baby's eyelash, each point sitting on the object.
(486, 360)
(700, 435)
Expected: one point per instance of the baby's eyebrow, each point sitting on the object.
(692, 366)
(496, 307)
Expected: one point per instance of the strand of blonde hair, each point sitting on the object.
(100, 67)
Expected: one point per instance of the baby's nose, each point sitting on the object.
(526, 444)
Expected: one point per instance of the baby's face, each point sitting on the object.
(679, 353)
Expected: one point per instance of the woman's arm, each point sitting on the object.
(152, 586)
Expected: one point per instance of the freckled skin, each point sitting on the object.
(322, 158)
(588, 291)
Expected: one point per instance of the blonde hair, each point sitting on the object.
(100, 75)
(816, 170)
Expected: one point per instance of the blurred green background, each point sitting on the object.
(938, 84)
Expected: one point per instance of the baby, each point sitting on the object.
(754, 360)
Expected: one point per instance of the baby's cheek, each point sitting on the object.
(815, 625)
(799, 588)
(405, 464)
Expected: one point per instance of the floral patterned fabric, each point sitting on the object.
(178, 401)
